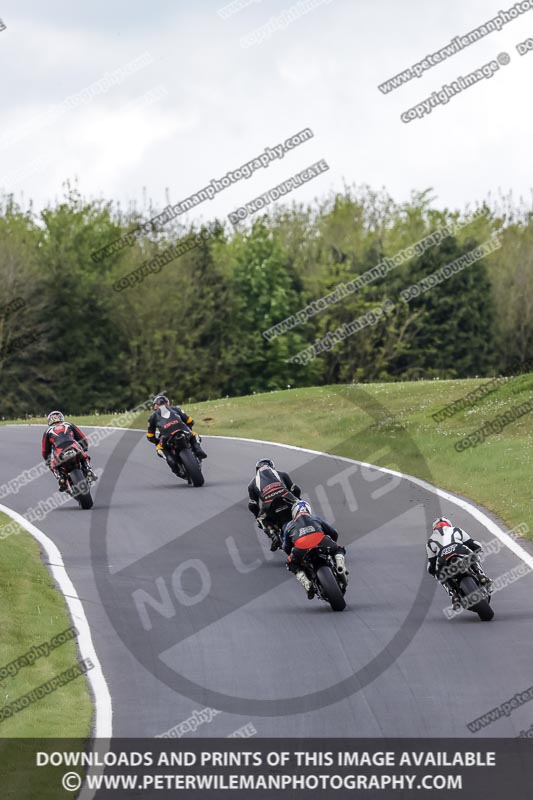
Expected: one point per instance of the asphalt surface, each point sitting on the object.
(189, 609)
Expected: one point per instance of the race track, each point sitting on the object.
(188, 609)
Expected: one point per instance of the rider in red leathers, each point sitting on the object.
(58, 436)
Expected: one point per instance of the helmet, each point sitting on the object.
(301, 507)
(54, 417)
(264, 462)
(440, 523)
(160, 400)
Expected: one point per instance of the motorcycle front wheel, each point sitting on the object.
(190, 462)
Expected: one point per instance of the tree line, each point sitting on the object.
(75, 333)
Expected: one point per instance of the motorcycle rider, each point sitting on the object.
(166, 420)
(301, 533)
(58, 436)
(264, 494)
(445, 534)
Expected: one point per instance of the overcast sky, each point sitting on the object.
(203, 104)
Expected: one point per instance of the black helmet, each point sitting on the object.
(264, 462)
(161, 400)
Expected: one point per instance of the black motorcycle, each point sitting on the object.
(460, 567)
(70, 461)
(328, 583)
(276, 511)
(181, 458)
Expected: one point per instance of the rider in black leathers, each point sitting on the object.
(165, 421)
(304, 523)
(265, 495)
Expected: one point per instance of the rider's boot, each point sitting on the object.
(274, 542)
(197, 447)
(306, 583)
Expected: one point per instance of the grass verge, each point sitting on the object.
(32, 613)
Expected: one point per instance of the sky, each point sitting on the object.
(200, 100)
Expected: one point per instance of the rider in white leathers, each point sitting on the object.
(445, 534)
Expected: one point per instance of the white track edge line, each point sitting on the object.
(103, 713)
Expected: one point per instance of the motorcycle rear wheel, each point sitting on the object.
(481, 608)
(80, 487)
(330, 588)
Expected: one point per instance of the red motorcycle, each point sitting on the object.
(70, 462)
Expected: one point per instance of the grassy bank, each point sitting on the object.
(32, 613)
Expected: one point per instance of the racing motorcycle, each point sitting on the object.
(461, 569)
(181, 458)
(277, 503)
(320, 568)
(70, 460)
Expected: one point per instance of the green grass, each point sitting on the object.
(33, 611)
(390, 424)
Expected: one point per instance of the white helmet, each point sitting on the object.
(301, 507)
(441, 523)
(55, 417)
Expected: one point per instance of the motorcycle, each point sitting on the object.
(321, 569)
(277, 511)
(459, 567)
(181, 458)
(70, 460)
